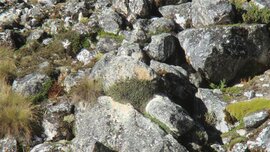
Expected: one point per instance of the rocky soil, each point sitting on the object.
(138, 75)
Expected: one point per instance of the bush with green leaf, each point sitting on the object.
(133, 91)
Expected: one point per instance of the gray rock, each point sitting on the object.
(36, 35)
(223, 52)
(132, 50)
(218, 148)
(181, 14)
(8, 144)
(121, 128)
(215, 106)
(55, 128)
(30, 84)
(9, 17)
(100, 4)
(255, 119)
(48, 2)
(137, 36)
(209, 12)
(161, 25)
(166, 68)
(85, 56)
(239, 147)
(72, 79)
(261, 3)
(110, 21)
(126, 68)
(61, 146)
(108, 44)
(262, 141)
(11, 38)
(170, 114)
(53, 26)
(162, 47)
(133, 8)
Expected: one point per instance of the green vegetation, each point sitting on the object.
(241, 109)
(252, 14)
(103, 34)
(220, 86)
(256, 15)
(231, 92)
(69, 118)
(43, 94)
(234, 136)
(159, 123)
(87, 90)
(16, 113)
(133, 91)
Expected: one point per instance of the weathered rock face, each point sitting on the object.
(255, 119)
(222, 52)
(9, 17)
(133, 8)
(169, 2)
(239, 147)
(110, 21)
(161, 25)
(120, 127)
(209, 12)
(54, 124)
(126, 68)
(215, 107)
(56, 147)
(30, 84)
(162, 47)
(181, 14)
(8, 145)
(261, 3)
(170, 114)
(262, 142)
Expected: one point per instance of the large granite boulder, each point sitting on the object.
(162, 47)
(210, 12)
(121, 128)
(173, 116)
(224, 52)
(215, 107)
(112, 69)
(181, 14)
(110, 21)
(262, 141)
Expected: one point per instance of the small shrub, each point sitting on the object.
(222, 85)
(43, 94)
(134, 91)
(241, 109)
(87, 90)
(16, 113)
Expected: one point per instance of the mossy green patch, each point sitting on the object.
(103, 34)
(241, 109)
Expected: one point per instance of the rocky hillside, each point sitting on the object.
(134, 75)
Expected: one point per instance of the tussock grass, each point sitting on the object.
(16, 113)
(87, 90)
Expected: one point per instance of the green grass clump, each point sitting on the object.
(222, 85)
(134, 91)
(87, 90)
(241, 109)
(16, 113)
(256, 15)
(118, 38)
